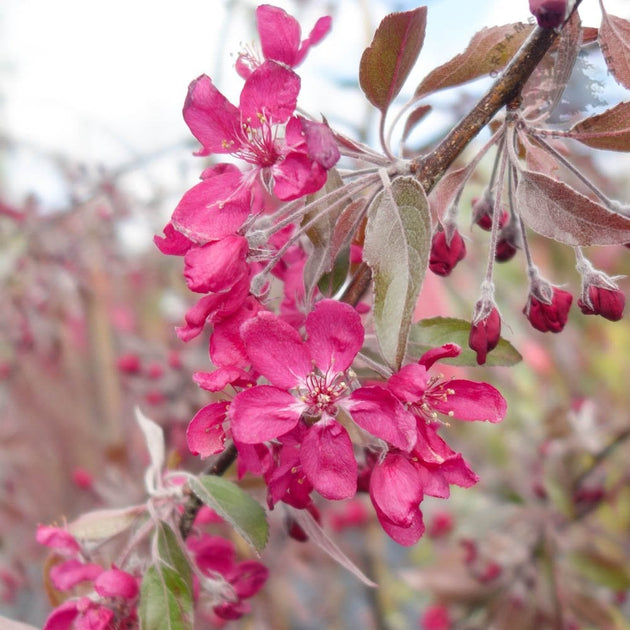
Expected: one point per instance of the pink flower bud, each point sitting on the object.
(548, 13)
(444, 254)
(483, 211)
(116, 583)
(128, 363)
(484, 335)
(608, 303)
(548, 315)
(436, 617)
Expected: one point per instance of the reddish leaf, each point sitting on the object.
(489, 51)
(557, 211)
(544, 89)
(614, 40)
(387, 61)
(608, 130)
(443, 195)
(536, 158)
(416, 116)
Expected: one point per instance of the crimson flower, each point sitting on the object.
(608, 302)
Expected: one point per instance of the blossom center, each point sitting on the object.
(320, 393)
(435, 394)
(258, 143)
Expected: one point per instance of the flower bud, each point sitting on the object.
(508, 243)
(483, 211)
(548, 13)
(548, 314)
(484, 335)
(608, 303)
(445, 252)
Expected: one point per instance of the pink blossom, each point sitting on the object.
(280, 35)
(307, 381)
(68, 574)
(205, 434)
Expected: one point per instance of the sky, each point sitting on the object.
(104, 83)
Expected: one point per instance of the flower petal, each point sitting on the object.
(472, 401)
(263, 413)
(378, 412)
(395, 488)
(276, 349)
(205, 434)
(335, 335)
(270, 94)
(409, 383)
(213, 120)
(437, 354)
(328, 460)
(403, 535)
(279, 34)
(297, 175)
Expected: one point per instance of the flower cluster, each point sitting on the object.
(285, 382)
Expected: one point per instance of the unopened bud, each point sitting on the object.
(548, 314)
(485, 334)
(483, 211)
(548, 13)
(608, 303)
(508, 243)
(446, 254)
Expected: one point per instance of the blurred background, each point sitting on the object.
(94, 155)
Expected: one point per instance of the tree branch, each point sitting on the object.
(431, 167)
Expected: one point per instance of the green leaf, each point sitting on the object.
(166, 595)
(434, 332)
(165, 600)
(397, 244)
(235, 506)
(171, 554)
(387, 61)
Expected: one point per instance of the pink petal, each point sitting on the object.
(378, 412)
(409, 383)
(57, 538)
(395, 488)
(319, 31)
(96, 617)
(226, 345)
(216, 266)
(205, 434)
(254, 458)
(173, 243)
(263, 413)
(116, 583)
(321, 145)
(219, 379)
(248, 577)
(214, 208)
(406, 536)
(279, 34)
(297, 175)
(212, 553)
(63, 616)
(276, 350)
(335, 335)
(472, 401)
(446, 351)
(328, 460)
(213, 120)
(270, 93)
(67, 575)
